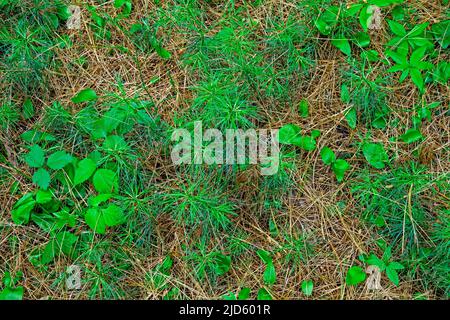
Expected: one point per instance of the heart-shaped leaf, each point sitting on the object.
(59, 160)
(42, 178)
(375, 155)
(98, 219)
(85, 95)
(288, 133)
(355, 275)
(36, 157)
(105, 181)
(328, 156)
(412, 135)
(84, 170)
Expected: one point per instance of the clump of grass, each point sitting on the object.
(27, 41)
(396, 202)
(197, 199)
(366, 92)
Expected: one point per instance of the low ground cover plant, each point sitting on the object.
(358, 91)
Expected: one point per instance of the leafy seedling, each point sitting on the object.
(263, 294)
(11, 291)
(290, 134)
(339, 166)
(413, 67)
(411, 136)
(385, 264)
(307, 287)
(85, 95)
(355, 275)
(270, 275)
(375, 155)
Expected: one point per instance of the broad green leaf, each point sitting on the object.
(97, 200)
(115, 143)
(385, 3)
(21, 211)
(353, 10)
(307, 143)
(328, 156)
(364, 17)
(380, 121)
(392, 275)
(303, 109)
(42, 178)
(163, 53)
(230, 296)
(307, 287)
(265, 256)
(387, 254)
(28, 109)
(416, 77)
(398, 56)
(396, 265)
(244, 294)
(59, 160)
(270, 275)
(110, 121)
(98, 219)
(340, 166)
(137, 27)
(64, 242)
(84, 170)
(33, 136)
(397, 28)
(54, 221)
(119, 3)
(85, 95)
(417, 30)
(113, 216)
(362, 39)
(222, 264)
(345, 94)
(328, 20)
(166, 265)
(11, 293)
(417, 56)
(370, 55)
(375, 155)
(351, 118)
(441, 73)
(105, 181)
(397, 68)
(43, 196)
(398, 13)
(404, 75)
(412, 135)
(95, 220)
(315, 133)
(263, 294)
(323, 26)
(425, 65)
(36, 157)
(355, 275)
(343, 45)
(288, 133)
(375, 261)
